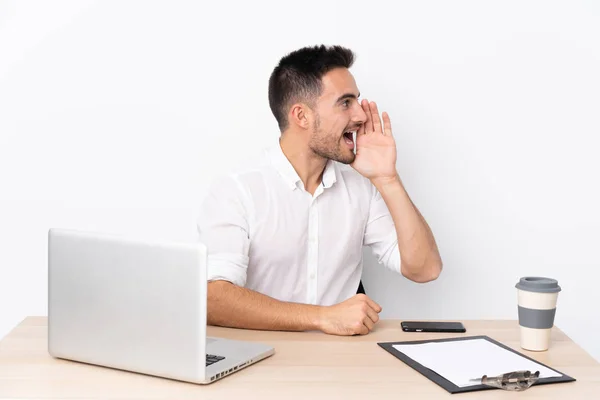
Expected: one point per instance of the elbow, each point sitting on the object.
(423, 273)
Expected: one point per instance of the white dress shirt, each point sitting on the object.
(264, 232)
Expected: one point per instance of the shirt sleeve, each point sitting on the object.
(380, 233)
(223, 227)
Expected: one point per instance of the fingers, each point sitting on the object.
(368, 321)
(373, 122)
(373, 305)
(368, 125)
(370, 311)
(368, 324)
(387, 124)
(373, 316)
(357, 315)
(375, 118)
(370, 302)
(361, 130)
(364, 330)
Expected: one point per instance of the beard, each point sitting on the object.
(330, 145)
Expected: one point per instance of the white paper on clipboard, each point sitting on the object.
(460, 361)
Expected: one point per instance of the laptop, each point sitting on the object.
(137, 305)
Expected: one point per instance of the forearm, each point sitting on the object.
(420, 258)
(236, 307)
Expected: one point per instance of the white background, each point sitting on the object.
(116, 116)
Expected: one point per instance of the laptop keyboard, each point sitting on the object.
(211, 359)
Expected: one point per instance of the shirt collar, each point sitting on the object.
(329, 175)
(288, 173)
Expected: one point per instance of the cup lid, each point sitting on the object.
(538, 284)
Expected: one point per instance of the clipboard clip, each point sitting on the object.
(515, 381)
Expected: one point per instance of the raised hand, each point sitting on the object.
(375, 145)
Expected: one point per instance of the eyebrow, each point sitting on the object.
(347, 96)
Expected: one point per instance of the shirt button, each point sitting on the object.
(312, 275)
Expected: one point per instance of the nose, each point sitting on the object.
(359, 117)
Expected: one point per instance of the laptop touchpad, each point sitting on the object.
(209, 340)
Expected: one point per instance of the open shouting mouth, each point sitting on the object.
(349, 138)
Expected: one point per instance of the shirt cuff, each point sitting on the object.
(227, 267)
(391, 256)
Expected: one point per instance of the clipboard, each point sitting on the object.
(448, 385)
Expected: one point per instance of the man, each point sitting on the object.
(285, 233)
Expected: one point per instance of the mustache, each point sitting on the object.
(357, 127)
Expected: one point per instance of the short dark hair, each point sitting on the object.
(298, 75)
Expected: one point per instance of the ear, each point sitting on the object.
(300, 116)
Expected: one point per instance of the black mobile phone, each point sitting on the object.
(432, 326)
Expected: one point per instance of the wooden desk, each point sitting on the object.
(305, 366)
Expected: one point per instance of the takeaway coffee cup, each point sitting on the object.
(537, 307)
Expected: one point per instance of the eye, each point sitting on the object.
(346, 103)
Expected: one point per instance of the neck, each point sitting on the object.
(308, 165)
